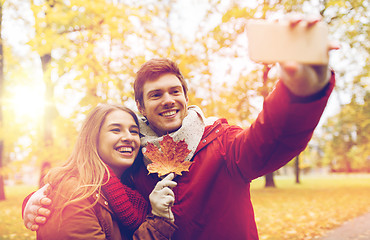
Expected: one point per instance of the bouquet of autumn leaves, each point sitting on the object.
(170, 158)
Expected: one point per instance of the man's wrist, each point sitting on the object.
(313, 97)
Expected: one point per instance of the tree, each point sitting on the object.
(2, 190)
(347, 137)
(344, 151)
(297, 170)
(69, 37)
(46, 59)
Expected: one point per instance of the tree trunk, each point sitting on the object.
(348, 164)
(297, 171)
(48, 108)
(49, 114)
(2, 190)
(269, 180)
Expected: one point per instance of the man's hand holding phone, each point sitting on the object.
(299, 44)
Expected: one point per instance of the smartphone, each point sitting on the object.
(272, 41)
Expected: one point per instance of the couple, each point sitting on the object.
(213, 198)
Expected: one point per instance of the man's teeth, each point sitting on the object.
(124, 149)
(166, 114)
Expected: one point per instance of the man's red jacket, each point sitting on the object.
(213, 199)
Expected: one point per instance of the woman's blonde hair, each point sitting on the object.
(82, 174)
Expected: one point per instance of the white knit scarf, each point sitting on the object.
(191, 131)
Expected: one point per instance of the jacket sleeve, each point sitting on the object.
(75, 224)
(155, 228)
(281, 131)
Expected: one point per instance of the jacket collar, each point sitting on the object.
(211, 132)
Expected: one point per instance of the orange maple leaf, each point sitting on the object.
(169, 159)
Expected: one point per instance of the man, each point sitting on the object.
(213, 198)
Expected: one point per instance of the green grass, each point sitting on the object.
(291, 211)
(11, 223)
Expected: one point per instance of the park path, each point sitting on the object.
(355, 229)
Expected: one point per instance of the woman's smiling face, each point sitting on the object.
(119, 141)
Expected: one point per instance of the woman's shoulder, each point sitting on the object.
(64, 186)
(68, 190)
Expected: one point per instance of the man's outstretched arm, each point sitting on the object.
(303, 79)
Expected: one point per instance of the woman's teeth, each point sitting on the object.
(124, 149)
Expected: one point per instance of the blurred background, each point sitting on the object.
(60, 58)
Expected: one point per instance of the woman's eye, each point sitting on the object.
(115, 130)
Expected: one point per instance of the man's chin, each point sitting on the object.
(167, 130)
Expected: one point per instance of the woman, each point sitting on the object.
(107, 148)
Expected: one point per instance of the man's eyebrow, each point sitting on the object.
(154, 91)
(161, 90)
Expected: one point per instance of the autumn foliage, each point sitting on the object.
(169, 158)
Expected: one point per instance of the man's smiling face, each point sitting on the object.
(165, 104)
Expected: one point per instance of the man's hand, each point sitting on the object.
(162, 197)
(305, 80)
(36, 211)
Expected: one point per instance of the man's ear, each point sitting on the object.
(140, 108)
